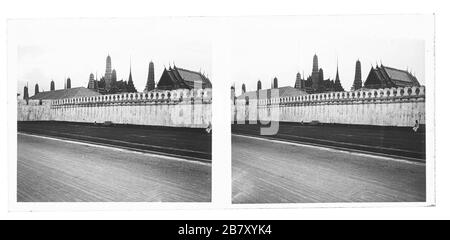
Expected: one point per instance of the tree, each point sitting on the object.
(36, 89)
(122, 86)
(101, 83)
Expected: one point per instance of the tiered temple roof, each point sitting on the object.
(65, 93)
(387, 77)
(267, 93)
(175, 78)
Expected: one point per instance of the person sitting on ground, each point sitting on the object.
(209, 128)
(416, 126)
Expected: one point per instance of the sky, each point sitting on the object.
(57, 49)
(261, 48)
(264, 48)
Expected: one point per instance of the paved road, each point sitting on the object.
(59, 171)
(265, 171)
(182, 142)
(402, 142)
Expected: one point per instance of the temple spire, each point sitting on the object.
(357, 83)
(129, 76)
(315, 63)
(337, 73)
(337, 82)
(130, 84)
(150, 85)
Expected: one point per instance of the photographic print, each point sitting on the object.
(330, 109)
(113, 110)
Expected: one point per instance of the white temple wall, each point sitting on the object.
(178, 108)
(383, 107)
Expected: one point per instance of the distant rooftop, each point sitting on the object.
(400, 75)
(386, 77)
(174, 78)
(65, 93)
(282, 91)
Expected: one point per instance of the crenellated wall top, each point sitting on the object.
(387, 94)
(155, 96)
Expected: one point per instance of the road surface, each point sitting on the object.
(181, 142)
(266, 171)
(398, 141)
(53, 170)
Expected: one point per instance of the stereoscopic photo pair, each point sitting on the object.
(323, 109)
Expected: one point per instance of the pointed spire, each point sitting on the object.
(337, 82)
(337, 63)
(337, 74)
(130, 65)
